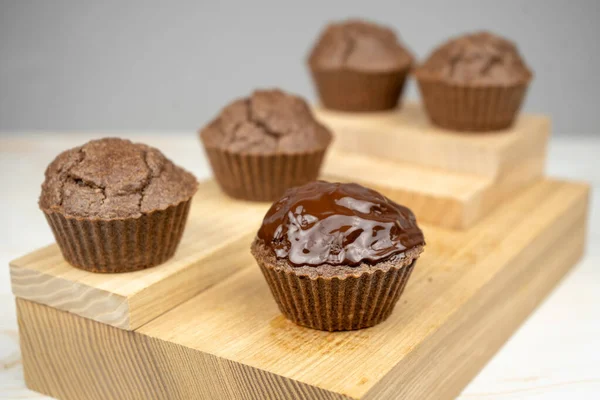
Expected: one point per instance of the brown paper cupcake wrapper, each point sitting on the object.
(337, 304)
(471, 108)
(345, 90)
(120, 245)
(263, 177)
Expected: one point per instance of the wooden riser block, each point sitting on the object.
(216, 231)
(469, 291)
(407, 136)
(447, 199)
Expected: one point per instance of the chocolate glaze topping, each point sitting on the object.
(338, 224)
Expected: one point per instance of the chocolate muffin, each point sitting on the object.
(476, 82)
(359, 66)
(337, 256)
(116, 206)
(261, 145)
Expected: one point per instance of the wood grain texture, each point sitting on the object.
(485, 324)
(408, 136)
(451, 200)
(70, 357)
(450, 179)
(468, 293)
(218, 231)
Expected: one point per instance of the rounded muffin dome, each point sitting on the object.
(266, 122)
(477, 58)
(474, 83)
(113, 178)
(263, 144)
(359, 66)
(359, 45)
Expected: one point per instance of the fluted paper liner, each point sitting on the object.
(337, 303)
(471, 108)
(120, 245)
(263, 177)
(346, 90)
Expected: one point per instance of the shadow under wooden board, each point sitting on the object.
(470, 290)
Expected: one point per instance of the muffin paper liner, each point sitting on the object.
(120, 245)
(346, 90)
(471, 108)
(334, 303)
(263, 177)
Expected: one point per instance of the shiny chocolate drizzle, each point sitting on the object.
(338, 224)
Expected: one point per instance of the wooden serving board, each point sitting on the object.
(470, 290)
(431, 169)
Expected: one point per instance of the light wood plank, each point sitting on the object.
(408, 136)
(218, 231)
(484, 326)
(70, 357)
(451, 200)
(469, 292)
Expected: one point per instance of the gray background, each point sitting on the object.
(165, 66)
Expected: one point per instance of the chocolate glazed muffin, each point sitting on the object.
(337, 256)
(116, 206)
(475, 82)
(261, 145)
(359, 66)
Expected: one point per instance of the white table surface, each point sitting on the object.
(554, 355)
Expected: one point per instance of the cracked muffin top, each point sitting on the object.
(114, 178)
(267, 122)
(476, 58)
(359, 45)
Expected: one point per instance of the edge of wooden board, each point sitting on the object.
(451, 200)
(406, 135)
(496, 313)
(129, 300)
(67, 295)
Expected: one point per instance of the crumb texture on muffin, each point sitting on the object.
(269, 121)
(113, 178)
(477, 58)
(359, 45)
